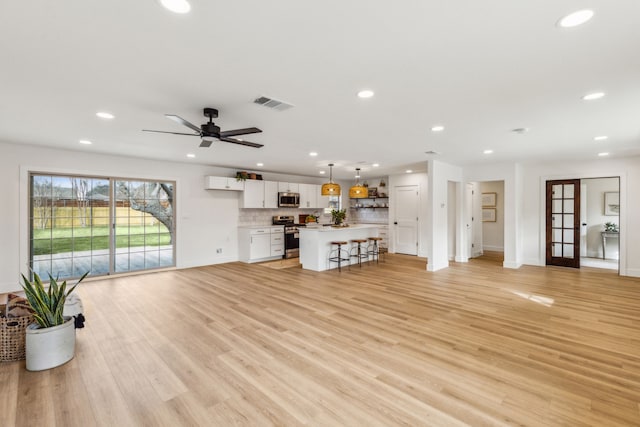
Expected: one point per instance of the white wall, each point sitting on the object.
(440, 174)
(628, 169)
(514, 205)
(493, 232)
(596, 218)
(205, 219)
(452, 203)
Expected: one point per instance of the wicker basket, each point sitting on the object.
(12, 337)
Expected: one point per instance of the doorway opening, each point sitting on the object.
(485, 220)
(600, 223)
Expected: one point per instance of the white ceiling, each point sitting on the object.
(480, 68)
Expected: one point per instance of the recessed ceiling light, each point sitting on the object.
(105, 115)
(191, 155)
(176, 6)
(592, 96)
(408, 171)
(488, 151)
(375, 165)
(438, 128)
(85, 142)
(601, 138)
(603, 154)
(321, 172)
(260, 164)
(365, 93)
(313, 154)
(576, 18)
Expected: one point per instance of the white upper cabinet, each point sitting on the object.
(271, 194)
(309, 194)
(253, 196)
(222, 183)
(288, 187)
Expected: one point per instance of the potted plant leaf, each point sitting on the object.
(611, 227)
(338, 216)
(51, 341)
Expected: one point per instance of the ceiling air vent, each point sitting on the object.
(431, 152)
(274, 104)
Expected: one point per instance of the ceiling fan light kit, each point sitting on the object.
(358, 191)
(209, 131)
(330, 188)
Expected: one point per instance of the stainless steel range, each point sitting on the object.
(291, 235)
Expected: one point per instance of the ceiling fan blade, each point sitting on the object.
(237, 141)
(173, 133)
(182, 121)
(235, 132)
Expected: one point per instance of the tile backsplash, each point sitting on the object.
(265, 216)
(260, 217)
(368, 215)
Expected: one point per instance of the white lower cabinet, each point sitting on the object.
(277, 241)
(260, 243)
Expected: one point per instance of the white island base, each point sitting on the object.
(315, 244)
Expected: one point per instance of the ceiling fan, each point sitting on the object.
(209, 131)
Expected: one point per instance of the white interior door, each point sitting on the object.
(406, 221)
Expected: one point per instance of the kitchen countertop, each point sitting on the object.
(329, 229)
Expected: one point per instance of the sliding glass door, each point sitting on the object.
(98, 224)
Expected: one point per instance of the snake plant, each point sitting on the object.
(47, 305)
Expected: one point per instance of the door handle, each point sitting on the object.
(395, 223)
(584, 224)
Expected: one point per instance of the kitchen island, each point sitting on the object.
(315, 243)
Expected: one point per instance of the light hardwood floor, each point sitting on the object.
(391, 344)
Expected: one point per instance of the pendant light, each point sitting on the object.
(330, 188)
(358, 191)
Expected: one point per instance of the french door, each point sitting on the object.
(563, 223)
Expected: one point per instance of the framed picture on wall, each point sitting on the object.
(488, 214)
(489, 200)
(612, 203)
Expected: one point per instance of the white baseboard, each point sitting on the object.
(201, 263)
(461, 259)
(534, 261)
(493, 248)
(632, 272)
(7, 287)
(431, 267)
(511, 264)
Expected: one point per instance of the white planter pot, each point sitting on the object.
(47, 348)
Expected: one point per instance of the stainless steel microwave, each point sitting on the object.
(289, 200)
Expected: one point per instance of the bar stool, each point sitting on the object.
(338, 255)
(372, 249)
(358, 251)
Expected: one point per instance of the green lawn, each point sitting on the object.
(93, 238)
